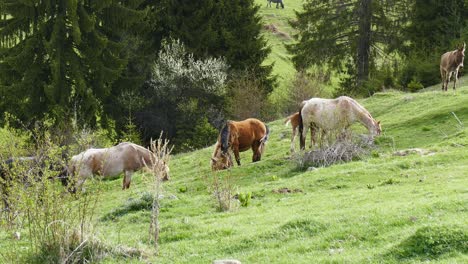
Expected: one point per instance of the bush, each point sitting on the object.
(415, 86)
(246, 98)
(186, 93)
(304, 86)
(422, 69)
(343, 150)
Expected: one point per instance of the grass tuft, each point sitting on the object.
(431, 242)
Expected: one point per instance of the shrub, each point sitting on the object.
(186, 93)
(245, 198)
(344, 150)
(414, 86)
(223, 190)
(59, 224)
(246, 98)
(304, 86)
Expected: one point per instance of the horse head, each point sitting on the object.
(221, 161)
(377, 128)
(460, 54)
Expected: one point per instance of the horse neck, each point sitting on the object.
(366, 119)
(224, 137)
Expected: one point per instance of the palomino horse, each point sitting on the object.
(277, 2)
(450, 63)
(126, 157)
(239, 136)
(334, 114)
(294, 119)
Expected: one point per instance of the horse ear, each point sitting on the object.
(378, 122)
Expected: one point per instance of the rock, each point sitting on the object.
(226, 261)
(311, 169)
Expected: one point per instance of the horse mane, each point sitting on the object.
(301, 127)
(225, 132)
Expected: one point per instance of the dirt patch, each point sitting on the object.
(419, 151)
(287, 190)
(274, 29)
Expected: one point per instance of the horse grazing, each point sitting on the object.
(294, 120)
(277, 2)
(450, 63)
(334, 114)
(126, 157)
(239, 136)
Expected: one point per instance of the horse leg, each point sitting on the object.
(455, 79)
(127, 179)
(256, 152)
(235, 149)
(312, 137)
(304, 135)
(447, 80)
(294, 132)
(443, 75)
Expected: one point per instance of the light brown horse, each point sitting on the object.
(450, 63)
(294, 120)
(239, 136)
(335, 115)
(126, 157)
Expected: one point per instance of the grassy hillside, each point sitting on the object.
(278, 32)
(385, 208)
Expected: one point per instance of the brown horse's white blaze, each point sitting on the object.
(450, 63)
(294, 120)
(335, 115)
(125, 157)
(238, 137)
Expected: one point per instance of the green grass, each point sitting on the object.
(386, 208)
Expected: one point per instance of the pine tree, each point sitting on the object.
(348, 35)
(61, 57)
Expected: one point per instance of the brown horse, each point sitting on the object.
(450, 63)
(239, 136)
(294, 119)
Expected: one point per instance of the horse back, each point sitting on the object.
(247, 132)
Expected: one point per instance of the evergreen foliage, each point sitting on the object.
(347, 35)
(227, 28)
(60, 58)
(436, 27)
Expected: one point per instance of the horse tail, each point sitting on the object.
(225, 132)
(301, 126)
(264, 139)
(288, 120)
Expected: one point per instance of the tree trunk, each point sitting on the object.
(364, 41)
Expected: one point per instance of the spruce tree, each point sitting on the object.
(347, 35)
(60, 58)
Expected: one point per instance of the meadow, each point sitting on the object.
(383, 208)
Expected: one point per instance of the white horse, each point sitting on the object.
(126, 157)
(335, 115)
